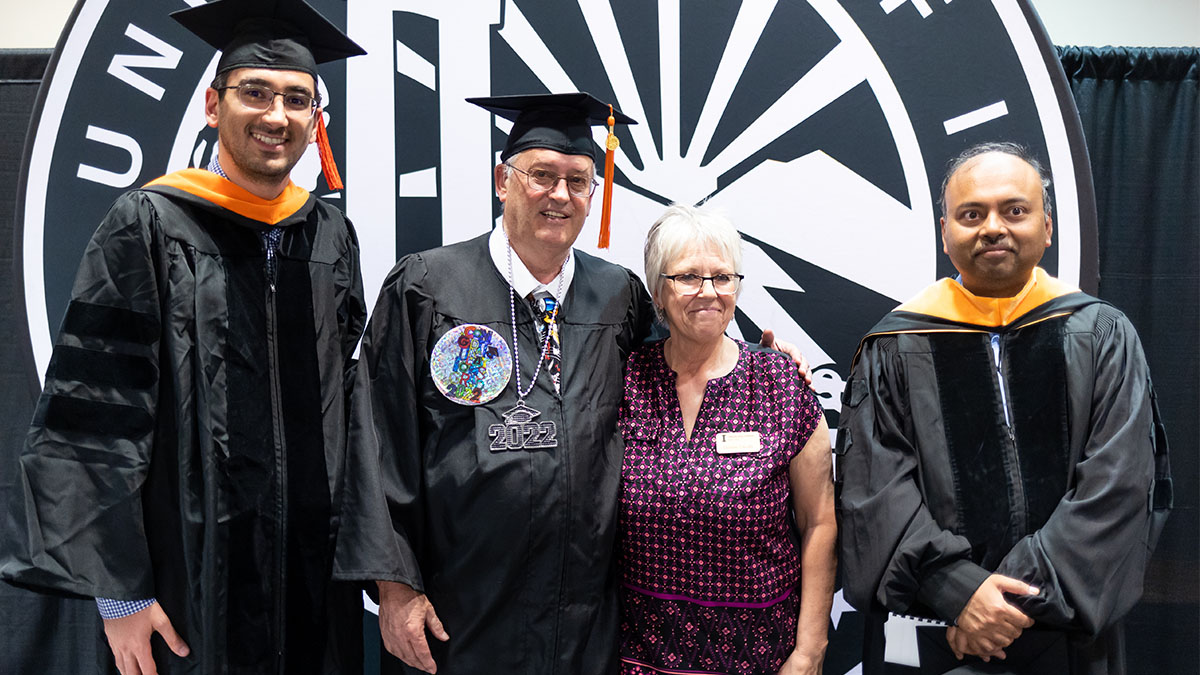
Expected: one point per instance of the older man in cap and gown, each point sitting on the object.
(490, 379)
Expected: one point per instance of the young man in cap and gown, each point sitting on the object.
(185, 465)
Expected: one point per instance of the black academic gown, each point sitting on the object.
(514, 548)
(936, 491)
(190, 440)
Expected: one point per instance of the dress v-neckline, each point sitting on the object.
(676, 405)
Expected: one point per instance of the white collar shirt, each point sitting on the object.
(523, 281)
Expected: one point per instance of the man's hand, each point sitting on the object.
(989, 623)
(129, 639)
(961, 646)
(404, 614)
(769, 341)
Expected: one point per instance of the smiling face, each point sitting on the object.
(543, 223)
(260, 147)
(703, 316)
(995, 229)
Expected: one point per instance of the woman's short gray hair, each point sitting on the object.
(676, 230)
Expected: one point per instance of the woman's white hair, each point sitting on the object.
(677, 229)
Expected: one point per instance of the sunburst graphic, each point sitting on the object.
(746, 107)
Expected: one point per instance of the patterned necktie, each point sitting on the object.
(270, 236)
(270, 239)
(543, 307)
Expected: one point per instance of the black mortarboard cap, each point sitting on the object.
(278, 34)
(561, 122)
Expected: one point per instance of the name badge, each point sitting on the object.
(738, 443)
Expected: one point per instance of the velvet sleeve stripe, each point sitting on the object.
(110, 323)
(103, 368)
(64, 413)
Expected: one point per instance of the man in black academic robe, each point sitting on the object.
(512, 547)
(185, 465)
(1002, 468)
(500, 543)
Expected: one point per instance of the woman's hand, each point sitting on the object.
(802, 664)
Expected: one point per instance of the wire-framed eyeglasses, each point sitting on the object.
(544, 181)
(690, 284)
(258, 97)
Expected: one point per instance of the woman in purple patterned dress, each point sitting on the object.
(723, 442)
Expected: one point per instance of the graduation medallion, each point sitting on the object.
(471, 364)
(521, 431)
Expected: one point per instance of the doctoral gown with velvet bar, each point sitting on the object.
(513, 548)
(937, 491)
(189, 444)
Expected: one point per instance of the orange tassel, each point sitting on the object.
(328, 167)
(610, 145)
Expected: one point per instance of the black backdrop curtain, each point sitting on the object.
(38, 634)
(1140, 118)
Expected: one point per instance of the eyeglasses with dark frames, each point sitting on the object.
(690, 284)
(259, 97)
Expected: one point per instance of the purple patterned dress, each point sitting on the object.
(709, 566)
